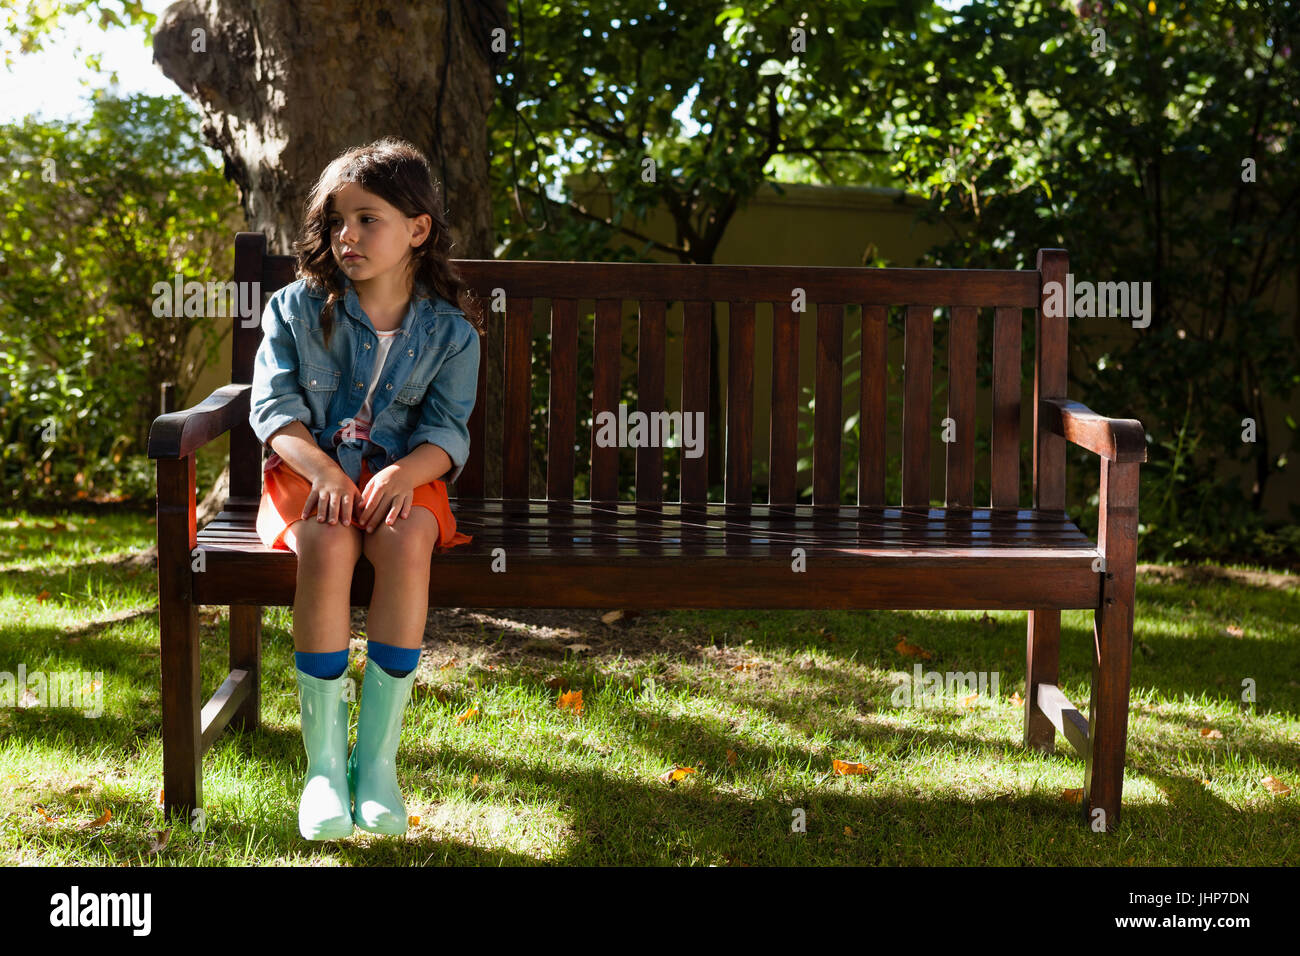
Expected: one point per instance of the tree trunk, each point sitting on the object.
(284, 87)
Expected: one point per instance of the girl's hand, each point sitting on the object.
(333, 496)
(387, 497)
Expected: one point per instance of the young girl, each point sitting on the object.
(363, 387)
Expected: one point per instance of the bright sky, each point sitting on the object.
(55, 81)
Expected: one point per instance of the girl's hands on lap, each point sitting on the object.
(387, 496)
(333, 497)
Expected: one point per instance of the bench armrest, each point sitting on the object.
(179, 434)
(1118, 439)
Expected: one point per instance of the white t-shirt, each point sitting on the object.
(381, 355)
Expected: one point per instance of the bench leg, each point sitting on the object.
(1112, 646)
(1108, 714)
(178, 625)
(1042, 659)
(246, 654)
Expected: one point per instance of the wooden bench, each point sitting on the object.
(695, 553)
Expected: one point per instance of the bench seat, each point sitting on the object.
(719, 556)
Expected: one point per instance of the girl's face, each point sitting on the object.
(369, 236)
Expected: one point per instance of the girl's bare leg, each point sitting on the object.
(327, 556)
(400, 553)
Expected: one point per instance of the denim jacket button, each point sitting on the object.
(389, 386)
(357, 385)
(366, 345)
(313, 381)
(410, 351)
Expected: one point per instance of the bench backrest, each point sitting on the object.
(959, 293)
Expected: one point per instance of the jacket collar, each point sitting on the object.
(419, 313)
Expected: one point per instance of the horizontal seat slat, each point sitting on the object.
(965, 579)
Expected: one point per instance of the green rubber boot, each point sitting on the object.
(324, 812)
(372, 767)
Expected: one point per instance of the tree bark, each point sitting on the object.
(285, 87)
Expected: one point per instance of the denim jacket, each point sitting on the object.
(426, 388)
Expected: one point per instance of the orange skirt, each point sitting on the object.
(285, 492)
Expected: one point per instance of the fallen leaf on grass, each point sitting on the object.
(577, 648)
(468, 715)
(848, 831)
(1017, 699)
(1233, 631)
(731, 757)
(1276, 785)
(557, 683)
(1211, 733)
(159, 842)
(413, 820)
(911, 650)
(160, 796)
(46, 816)
(570, 701)
(671, 777)
(743, 666)
(611, 617)
(99, 821)
(1073, 796)
(968, 702)
(848, 768)
(43, 597)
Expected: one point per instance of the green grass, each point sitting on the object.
(529, 783)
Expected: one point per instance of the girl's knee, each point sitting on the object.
(325, 544)
(407, 540)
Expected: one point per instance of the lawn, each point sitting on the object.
(757, 703)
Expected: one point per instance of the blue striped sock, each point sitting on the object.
(327, 665)
(396, 661)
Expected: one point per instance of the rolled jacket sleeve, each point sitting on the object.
(276, 400)
(444, 415)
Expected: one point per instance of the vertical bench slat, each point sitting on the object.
(828, 413)
(740, 403)
(918, 351)
(696, 373)
(1005, 454)
(517, 397)
(470, 482)
(1050, 373)
(962, 345)
(783, 445)
(875, 378)
(650, 399)
(562, 401)
(252, 265)
(607, 358)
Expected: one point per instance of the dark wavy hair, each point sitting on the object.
(397, 172)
